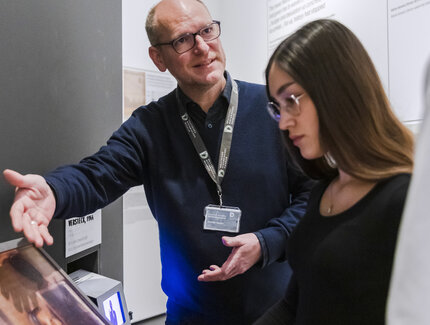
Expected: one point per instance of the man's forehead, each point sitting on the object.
(170, 12)
(182, 25)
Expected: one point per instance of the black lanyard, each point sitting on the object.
(227, 136)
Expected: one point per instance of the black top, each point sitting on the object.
(342, 263)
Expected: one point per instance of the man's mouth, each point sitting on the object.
(204, 64)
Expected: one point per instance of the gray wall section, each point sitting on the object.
(60, 99)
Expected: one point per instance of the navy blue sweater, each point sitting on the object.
(152, 148)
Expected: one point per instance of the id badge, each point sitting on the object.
(222, 218)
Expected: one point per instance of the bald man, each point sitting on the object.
(215, 172)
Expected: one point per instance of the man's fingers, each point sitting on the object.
(230, 266)
(46, 236)
(241, 258)
(31, 230)
(33, 199)
(23, 181)
(28, 229)
(23, 205)
(16, 215)
(37, 216)
(38, 240)
(14, 178)
(33, 234)
(230, 241)
(214, 273)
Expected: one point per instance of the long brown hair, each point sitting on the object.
(357, 126)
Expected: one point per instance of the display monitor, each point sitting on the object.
(114, 309)
(35, 290)
(106, 293)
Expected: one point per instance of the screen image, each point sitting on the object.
(34, 290)
(113, 309)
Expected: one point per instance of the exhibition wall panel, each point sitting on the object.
(60, 100)
(393, 32)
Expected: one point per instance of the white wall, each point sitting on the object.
(244, 37)
(134, 40)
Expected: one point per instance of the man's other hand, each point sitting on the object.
(245, 253)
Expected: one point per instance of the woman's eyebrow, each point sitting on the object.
(283, 87)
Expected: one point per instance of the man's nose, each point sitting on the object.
(201, 45)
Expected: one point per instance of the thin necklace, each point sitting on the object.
(330, 207)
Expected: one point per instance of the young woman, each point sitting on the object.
(330, 104)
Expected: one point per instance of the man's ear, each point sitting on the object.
(157, 58)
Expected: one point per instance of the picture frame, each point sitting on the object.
(34, 290)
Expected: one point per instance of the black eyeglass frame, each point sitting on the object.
(194, 37)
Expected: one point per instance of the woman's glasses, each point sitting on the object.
(291, 105)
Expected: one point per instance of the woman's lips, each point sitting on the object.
(296, 139)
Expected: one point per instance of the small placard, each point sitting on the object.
(83, 233)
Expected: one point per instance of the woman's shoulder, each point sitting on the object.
(395, 183)
(392, 191)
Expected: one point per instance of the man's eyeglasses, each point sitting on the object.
(291, 105)
(187, 41)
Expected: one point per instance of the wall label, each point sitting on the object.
(83, 233)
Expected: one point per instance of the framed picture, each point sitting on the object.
(34, 290)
